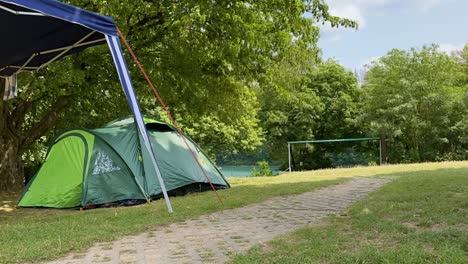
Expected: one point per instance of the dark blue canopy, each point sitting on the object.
(36, 32)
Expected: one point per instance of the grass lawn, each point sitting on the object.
(421, 217)
(43, 234)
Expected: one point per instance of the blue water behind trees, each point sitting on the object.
(242, 171)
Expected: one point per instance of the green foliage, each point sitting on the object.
(338, 91)
(262, 169)
(243, 158)
(350, 157)
(324, 105)
(416, 100)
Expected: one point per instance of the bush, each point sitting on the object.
(262, 169)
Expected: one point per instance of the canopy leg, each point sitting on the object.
(124, 76)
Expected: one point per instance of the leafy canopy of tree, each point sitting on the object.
(325, 106)
(209, 59)
(418, 100)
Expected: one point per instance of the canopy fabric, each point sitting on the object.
(35, 33)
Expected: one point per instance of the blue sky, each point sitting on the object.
(388, 24)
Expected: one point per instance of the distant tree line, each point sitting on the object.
(417, 100)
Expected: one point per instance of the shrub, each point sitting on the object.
(262, 169)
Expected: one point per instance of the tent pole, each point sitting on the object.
(289, 157)
(122, 70)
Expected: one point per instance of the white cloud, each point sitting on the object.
(426, 5)
(336, 37)
(369, 61)
(450, 48)
(358, 10)
(351, 11)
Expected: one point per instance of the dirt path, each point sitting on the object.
(215, 237)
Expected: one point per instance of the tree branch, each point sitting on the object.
(150, 20)
(17, 116)
(45, 124)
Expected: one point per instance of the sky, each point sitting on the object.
(388, 24)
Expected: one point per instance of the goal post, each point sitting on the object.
(332, 141)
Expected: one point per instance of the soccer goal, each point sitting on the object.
(382, 147)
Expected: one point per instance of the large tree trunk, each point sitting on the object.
(15, 139)
(11, 165)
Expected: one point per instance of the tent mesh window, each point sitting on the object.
(159, 127)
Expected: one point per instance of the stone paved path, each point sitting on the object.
(215, 237)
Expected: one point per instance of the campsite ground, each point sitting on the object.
(420, 217)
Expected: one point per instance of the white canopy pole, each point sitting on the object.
(21, 13)
(66, 49)
(117, 55)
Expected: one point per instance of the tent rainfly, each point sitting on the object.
(88, 168)
(36, 33)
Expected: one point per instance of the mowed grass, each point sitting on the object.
(420, 217)
(42, 234)
(30, 235)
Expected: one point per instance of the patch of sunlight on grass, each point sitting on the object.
(8, 207)
(8, 202)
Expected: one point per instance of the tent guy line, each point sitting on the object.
(166, 109)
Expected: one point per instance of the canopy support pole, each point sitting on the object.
(289, 157)
(124, 76)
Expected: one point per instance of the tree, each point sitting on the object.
(410, 98)
(46, 105)
(459, 115)
(324, 106)
(289, 110)
(338, 90)
(206, 59)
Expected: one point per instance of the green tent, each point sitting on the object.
(93, 167)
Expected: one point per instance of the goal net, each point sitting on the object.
(333, 153)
